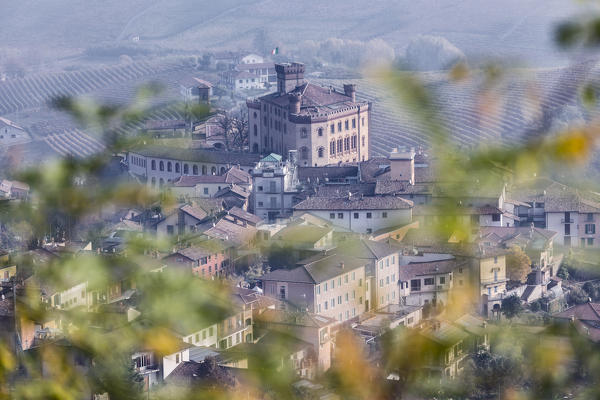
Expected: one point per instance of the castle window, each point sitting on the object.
(204, 170)
(339, 146)
(169, 166)
(255, 130)
(339, 126)
(321, 152)
(353, 122)
(303, 133)
(346, 125)
(177, 167)
(354, 139)
(363, 141)
(320, 131)
(254, 114)
(161, 166)
(332, 148)
(186, 169)
(213, 171)
(304, 153)
(195, 169)
(332, 128)
(153, 165)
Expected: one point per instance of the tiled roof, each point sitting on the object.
(342, 190)
(301, 234)
(355, 203)
(314, 99)
(323, 267)
(271, 158)
(586, 312)
(296, 318)
(556, 196)
(199, 155)
(244, 215)
(193, 211)
(232, 232)
(412, 270)
(386, 186)
(367, 249)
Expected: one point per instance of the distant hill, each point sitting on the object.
(507, 28)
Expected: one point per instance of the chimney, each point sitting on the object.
(295, 102)
(289, 76)
(402, 165)
(350, 91)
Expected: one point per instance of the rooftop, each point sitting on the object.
(198, 155)
(355, 203)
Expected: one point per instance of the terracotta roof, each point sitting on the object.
(195, 212)
(232, 232)
(244, 215)
(355, 203)
(587, 312)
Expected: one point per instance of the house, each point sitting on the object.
(264, 70)
(447, 349)
(296, 354)
(183, 220)
(252, 58)
(331, 285)
(297, 241)
(585, 317)
(207, 259)
(166, 128)
(360, 214)
(383, 272)
(324, 125)
(242, 80)
(234, 197)
(195, 90)
(14, 189)
(274, 187)
(210, 185)
(569, 211)
(317, 330)
(479, 335)
(427, 278)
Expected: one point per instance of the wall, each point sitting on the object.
(362, 224)
(350, 293)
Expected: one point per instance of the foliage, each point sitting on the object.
(518, 264)
(563, 272)
(492, 372)
(511, 306)
(577, 296)
(593, 290)
(235, 129)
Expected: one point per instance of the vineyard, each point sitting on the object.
(521, 105)
(73, 143)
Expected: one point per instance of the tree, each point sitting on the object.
(491, 372)
(518, 264)
(235, 131)
(563, 272)
(215, 377)
(511, 306)
(577, 296)
(593, 290)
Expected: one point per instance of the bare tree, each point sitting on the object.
(235, 131)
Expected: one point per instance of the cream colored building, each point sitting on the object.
(325, 125)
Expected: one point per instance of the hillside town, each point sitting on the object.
(307, 236)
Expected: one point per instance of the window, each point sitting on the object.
(332, 148)
(331, 215)
(369, 215)
(153, 165)
(333, 283)
(496, 260)
(590, 241)
(363, 141)
(255, 130)
(353, 123)
(326, 305)
(355, 215)
(195, 170)
(415, 284)
(161, 166)
(442, 280)
(304, 153)
(346, 144)
(428, 282)
(381, 283)
(177, 358)
(332, 128)
(346, 278)
(495, 217)
(340, 215)
(320, 131)
(340, 146)
(339, 126)
(205, 190)
(320, 152)
(346, 125)
(590, 229)
(303, 133)
(589, 217)
(339, 300)
(354, 139)
(169, 166)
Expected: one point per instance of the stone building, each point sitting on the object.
(324, 125)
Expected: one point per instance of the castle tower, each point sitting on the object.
(289, 75)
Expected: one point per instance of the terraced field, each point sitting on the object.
(21, 94)
(73, 143)
(523, 104)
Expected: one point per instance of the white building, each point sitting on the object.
(274, 187)
(11, 133)
(361, 214)
(160, 165)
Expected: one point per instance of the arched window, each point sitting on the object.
(169, 166)
(177, 167)
(161, 166)
(195, 169)
(255, 130)
(255, 148)
(304, 153)
(320, 131)
(213, 171)
(153, 165)
(321, 152)
(204, 170)
(186, 169)
(223, 170)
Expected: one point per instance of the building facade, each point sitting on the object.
(324, 125)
